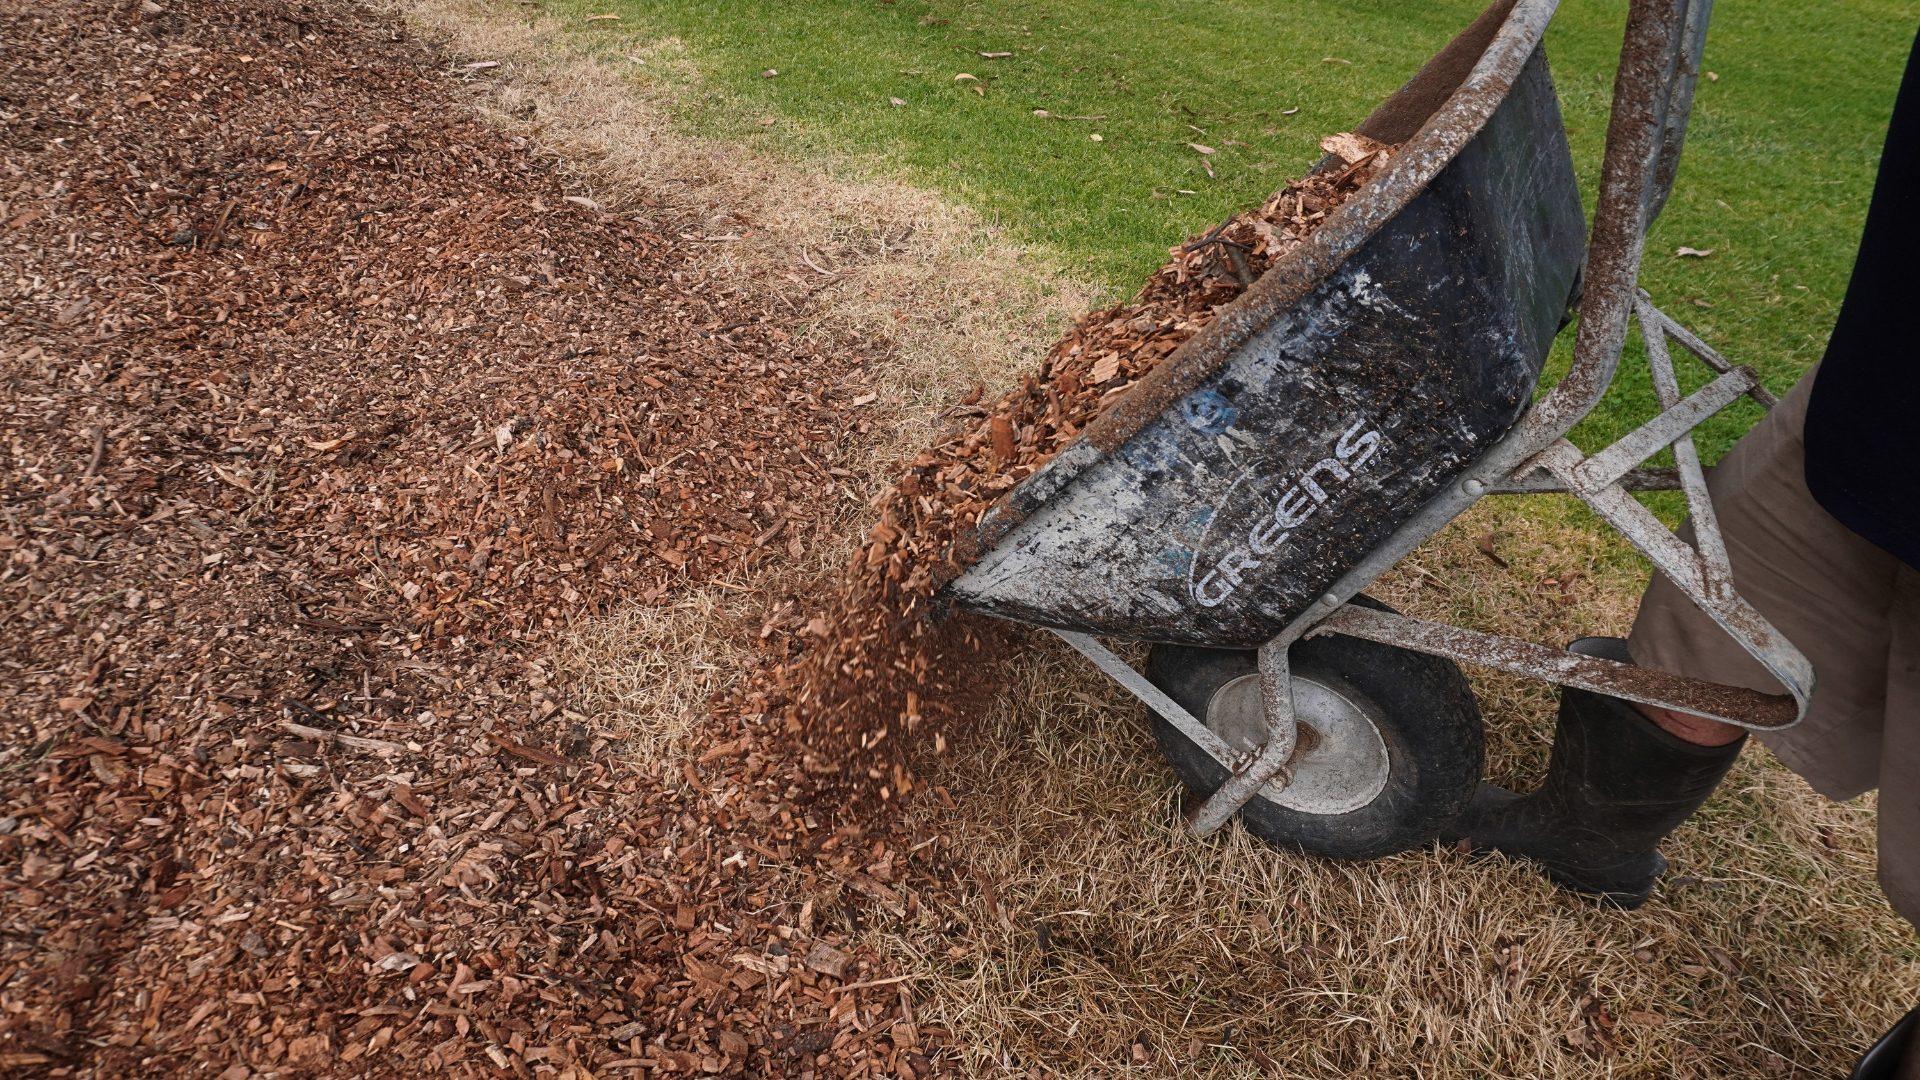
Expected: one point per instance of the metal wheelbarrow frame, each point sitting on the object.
(1651, 102)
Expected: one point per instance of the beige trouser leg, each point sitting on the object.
(1850, 606)
(1900, 760)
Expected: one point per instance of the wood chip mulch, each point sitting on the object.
(886, 677)
(323, 408)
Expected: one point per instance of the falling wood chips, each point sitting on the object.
(882, 670)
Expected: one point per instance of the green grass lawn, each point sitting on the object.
(1774, 184)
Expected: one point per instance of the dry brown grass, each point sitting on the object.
(1768, 952)
(653, 669)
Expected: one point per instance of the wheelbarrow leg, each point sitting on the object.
(1245, 781)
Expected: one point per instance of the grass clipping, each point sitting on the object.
(874, 685)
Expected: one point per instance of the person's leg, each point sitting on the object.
(1621, 778)
(1826, 589)
(1616, 785)
(1858, 726)
(1697, 730)
(1899, 817)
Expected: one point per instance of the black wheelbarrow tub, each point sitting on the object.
(1361, 374)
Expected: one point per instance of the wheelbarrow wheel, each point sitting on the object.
(1390, 750)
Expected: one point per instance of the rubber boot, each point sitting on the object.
(1883, 1061)
(1617, 784)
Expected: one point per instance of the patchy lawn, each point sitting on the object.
(1780, 159)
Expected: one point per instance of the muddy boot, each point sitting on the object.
(1885, 1059)
(1616, 785)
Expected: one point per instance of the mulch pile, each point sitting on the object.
(324, 407)
(875, 688)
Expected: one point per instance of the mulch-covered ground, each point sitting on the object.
(323, 407)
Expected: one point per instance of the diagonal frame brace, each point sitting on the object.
(1707, 581)
(1247, 774)
(1675, 420)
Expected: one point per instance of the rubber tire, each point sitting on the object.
(1426, 715)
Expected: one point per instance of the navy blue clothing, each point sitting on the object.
(1864, 416)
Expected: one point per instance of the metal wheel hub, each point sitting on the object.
(1343, 768)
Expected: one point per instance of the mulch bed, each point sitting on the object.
(324, 408)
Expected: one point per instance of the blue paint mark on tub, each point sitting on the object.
(1152, 451)
(1208, 411)
(1176, 560)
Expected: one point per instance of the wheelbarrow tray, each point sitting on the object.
(1359, 376)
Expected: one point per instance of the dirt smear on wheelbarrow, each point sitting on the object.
(887, 673)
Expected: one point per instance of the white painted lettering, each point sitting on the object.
(1365, 446)
(1208, 594)
(1298, 502)
(1236, 562)
(1294, 509)
(1330, 466)
(1268, 536)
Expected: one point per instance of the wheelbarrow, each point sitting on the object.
(1377, 381)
